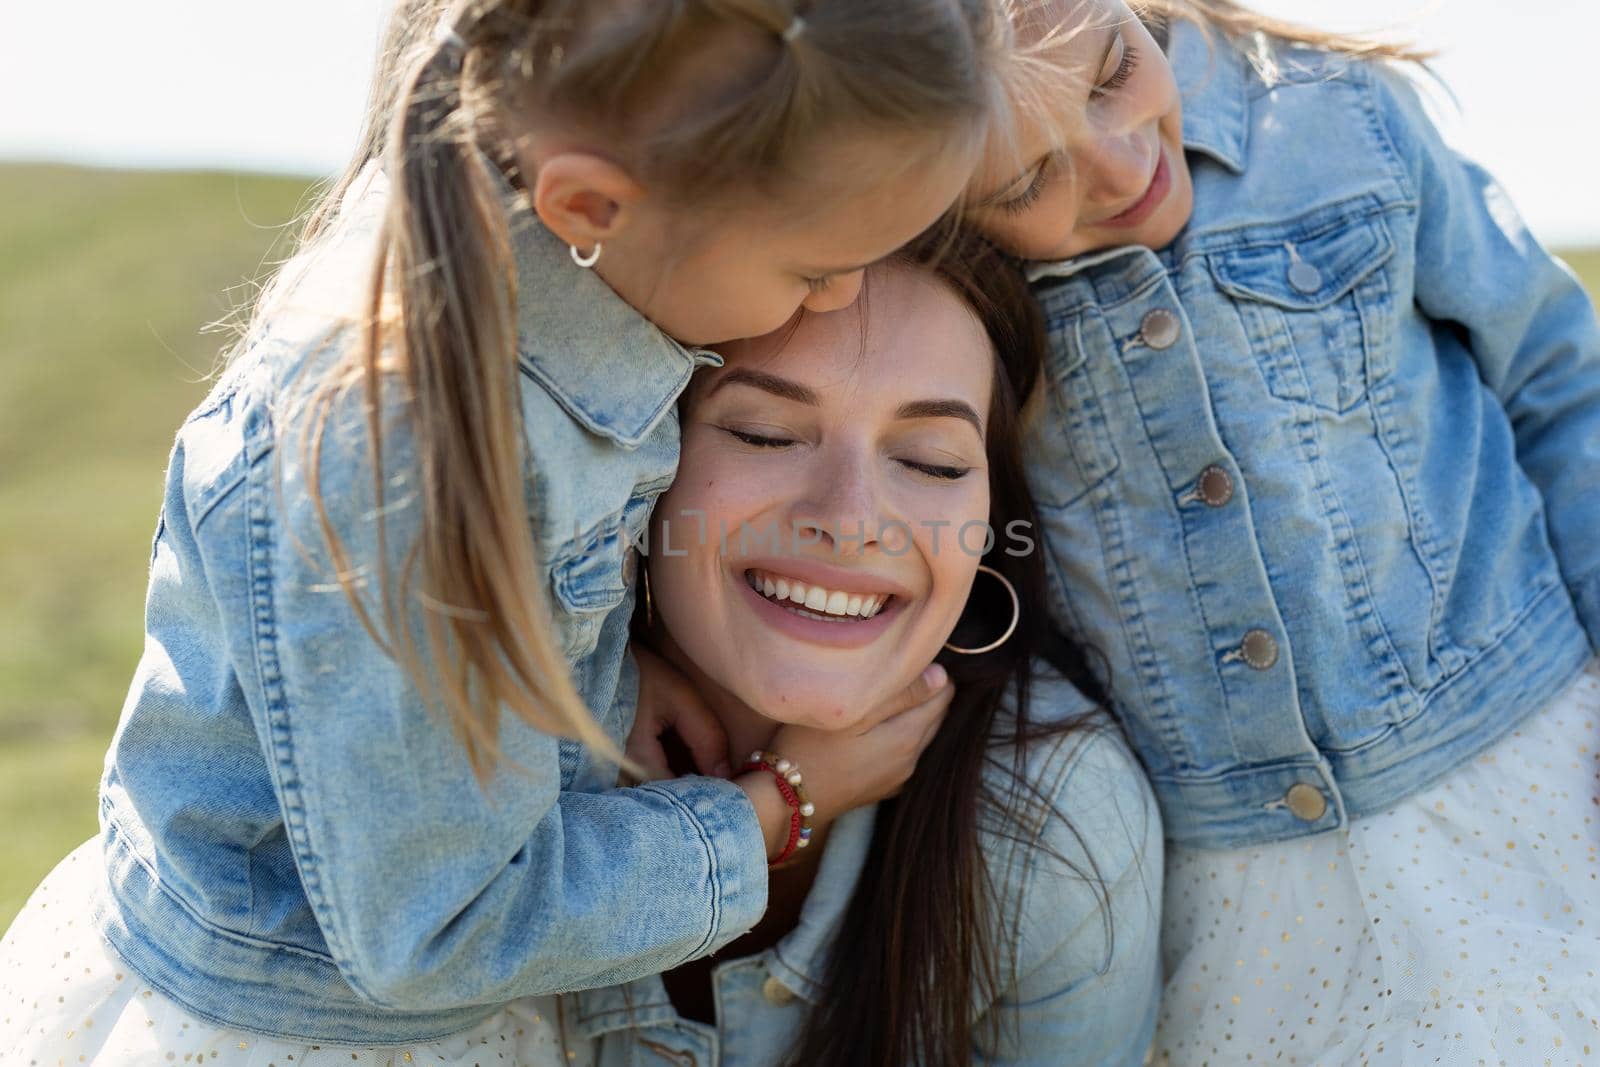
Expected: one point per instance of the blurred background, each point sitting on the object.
(152, 159)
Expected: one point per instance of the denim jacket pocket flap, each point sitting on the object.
(589, 583)
(591, 578)
(1307, 273)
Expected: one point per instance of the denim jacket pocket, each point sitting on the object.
(1066, 438)
(589, 583)
(1312, 302)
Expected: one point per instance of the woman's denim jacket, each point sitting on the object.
(295, 842)
(1075, 929)
(1322, 478)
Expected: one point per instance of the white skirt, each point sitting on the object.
(1461, 927)
(66, 998)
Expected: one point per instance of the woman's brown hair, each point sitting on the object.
(916, 947)
(467, 614)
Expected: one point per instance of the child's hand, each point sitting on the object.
(668, 701)
(848, 769)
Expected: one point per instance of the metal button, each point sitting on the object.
(1215, 486)
(1304, 277)
(776, 992)
(1306, 802)
(1259, 649)
(1160, 329)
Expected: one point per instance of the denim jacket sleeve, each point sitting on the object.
(1087, 971)
(431, 891)
(1529, 325)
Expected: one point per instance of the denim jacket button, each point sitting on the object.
(1216, 487)
(1304, 277)
(776, 992)
(1259, 649)
(630, 565)
(1160, 329)
(1306, 802)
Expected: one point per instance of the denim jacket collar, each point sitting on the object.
(1214, 81)
(607, 365)
(797, 960)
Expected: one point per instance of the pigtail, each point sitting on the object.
(485, 636)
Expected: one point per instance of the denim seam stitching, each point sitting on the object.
(280, 733)
(687, 812)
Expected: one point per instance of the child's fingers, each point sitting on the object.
(702, 734)
(644, 748)
(932, 684)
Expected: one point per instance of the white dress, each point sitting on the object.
(66, 1000)
(1460, 928)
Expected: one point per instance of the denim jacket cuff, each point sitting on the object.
(736, 852)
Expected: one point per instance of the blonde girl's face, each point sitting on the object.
(742, 272)
(1099, 161)
(827, 521)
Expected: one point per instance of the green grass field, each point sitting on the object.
(106, 282)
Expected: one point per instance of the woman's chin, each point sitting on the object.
(837, 702)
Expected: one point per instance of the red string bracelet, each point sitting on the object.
(790, 787)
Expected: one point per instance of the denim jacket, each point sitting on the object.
(1322, 478)
(1076, 931)
(295, 842)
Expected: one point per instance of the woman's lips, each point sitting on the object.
(1154, 195)
(801, 624)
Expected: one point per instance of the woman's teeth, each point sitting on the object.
(813, 601)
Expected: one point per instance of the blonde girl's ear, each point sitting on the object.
(583, 199)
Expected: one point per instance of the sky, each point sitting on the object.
(280, 86)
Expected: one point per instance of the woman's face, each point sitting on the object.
(1100, 163)
(808, 560)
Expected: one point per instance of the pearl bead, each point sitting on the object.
(808, 810)
(793, 777)
(803, 842)
(784, 766)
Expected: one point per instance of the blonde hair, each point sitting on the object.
(1238, 22)
(467, 615)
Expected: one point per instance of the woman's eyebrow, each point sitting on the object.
(768, 383)
(940, 409)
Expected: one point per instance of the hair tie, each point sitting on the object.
(792, 32)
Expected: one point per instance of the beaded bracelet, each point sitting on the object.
(790, 787)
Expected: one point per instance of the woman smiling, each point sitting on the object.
(849, 506)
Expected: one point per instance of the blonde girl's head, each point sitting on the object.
(731, 161)
(1093, 157)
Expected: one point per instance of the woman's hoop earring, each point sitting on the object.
(1016, 616)
(585, 261)
(649, 605)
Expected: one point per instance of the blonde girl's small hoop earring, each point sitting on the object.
(1016, 615)
(585, 261)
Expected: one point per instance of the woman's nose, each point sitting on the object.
(840, 292)
(841, 509)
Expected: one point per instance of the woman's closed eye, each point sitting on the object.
(949, 472)
(937, 470)
(757, 440)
